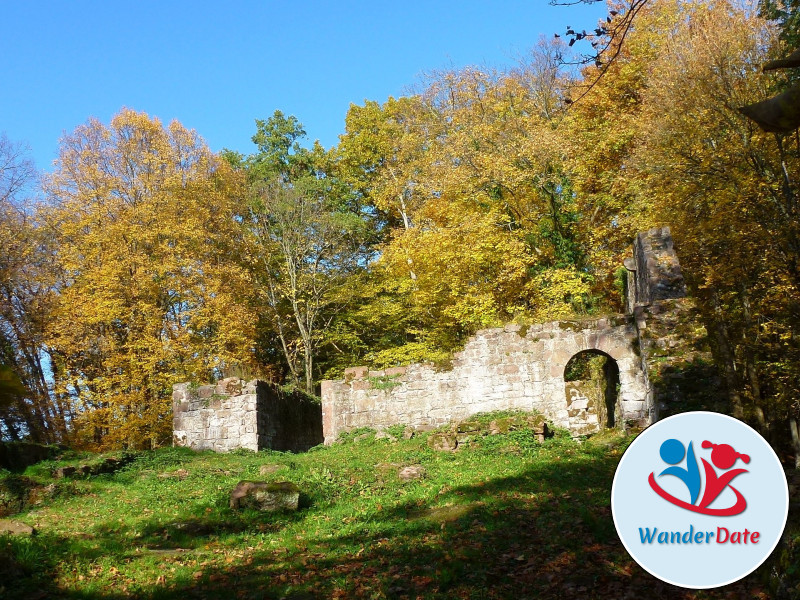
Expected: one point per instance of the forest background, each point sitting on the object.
(484, 197)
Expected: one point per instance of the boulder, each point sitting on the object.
(8, 526)
(260, 495)
(411, 472)
(443, 442)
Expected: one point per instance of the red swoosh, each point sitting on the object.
(737, 508)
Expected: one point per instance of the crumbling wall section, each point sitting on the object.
(499, 369)
(244, 414)
(219, 417)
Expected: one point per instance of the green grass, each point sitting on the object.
(504, 517)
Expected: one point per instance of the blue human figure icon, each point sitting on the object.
(672, 452)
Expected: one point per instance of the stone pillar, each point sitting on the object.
(658, 272)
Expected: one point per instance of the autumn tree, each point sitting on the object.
(480, 225)
(153, 291)
(786, 13)
(28, 407)
(661, 140)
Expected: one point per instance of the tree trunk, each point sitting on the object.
(273, 303)
(795, 441)
(309, 372)
(750, 365)
(10, 429)
(722, 340)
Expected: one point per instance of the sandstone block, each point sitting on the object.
(62, 472)
(263, 496)
(411, 472)
(396, 371)
(205, 391)
(327, 387)
(230, 386)
(361, 385)
(355, 373)
(10, 527)
(443, 442)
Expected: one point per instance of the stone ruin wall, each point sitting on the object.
(523, 368)
(244, 414)
(513, 368)
(673, 342)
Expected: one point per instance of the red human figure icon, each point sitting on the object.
(724, 457)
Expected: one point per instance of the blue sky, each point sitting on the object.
(216, 67)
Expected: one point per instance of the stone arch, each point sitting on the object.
(591, 390)
(619, 341)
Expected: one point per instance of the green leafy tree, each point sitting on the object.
(306, 239)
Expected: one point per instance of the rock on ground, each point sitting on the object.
(443, 442)
(268, 469)
(260, 495)
(8, 526)
(411, 472)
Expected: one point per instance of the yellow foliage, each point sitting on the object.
(152, 290)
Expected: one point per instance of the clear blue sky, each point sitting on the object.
(218, 66)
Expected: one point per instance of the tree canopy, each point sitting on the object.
(487, 196)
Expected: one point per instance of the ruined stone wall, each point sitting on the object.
(673, 343)
(16, 456)
(677, 356)
(654, 271)
(657, 348)
(499, 369)
(523, 368)
(237, 414)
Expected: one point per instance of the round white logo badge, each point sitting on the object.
(699, 500)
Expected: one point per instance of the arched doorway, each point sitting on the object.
(592, 386)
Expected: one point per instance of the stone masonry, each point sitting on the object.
(238, 414)
(514, 367)
(518, 367)
(500, 369)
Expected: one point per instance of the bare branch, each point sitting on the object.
(16, 168)
(607, 39)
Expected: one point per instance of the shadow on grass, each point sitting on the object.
(547, 533)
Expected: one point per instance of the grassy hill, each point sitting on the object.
(502, 517)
